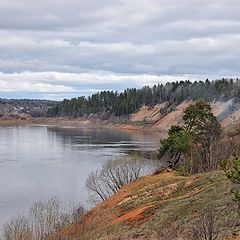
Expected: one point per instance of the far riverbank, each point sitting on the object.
(82, 122)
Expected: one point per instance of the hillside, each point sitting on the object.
(156, 107)
(163, 206)
(109, 104)
(150, 117)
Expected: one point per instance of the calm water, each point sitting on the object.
(38, 162)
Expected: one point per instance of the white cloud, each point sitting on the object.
(38, 87)
(70, 45)
(59, 84)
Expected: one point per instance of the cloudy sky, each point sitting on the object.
(56, 49)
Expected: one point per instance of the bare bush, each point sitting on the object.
(47, 217)
(224, 150)
(76, 211)
(44, 219)
(17, 229)
(211, 225)
(114, 175)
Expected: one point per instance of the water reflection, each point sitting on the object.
(95, 138)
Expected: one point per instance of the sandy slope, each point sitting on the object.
(150, 117)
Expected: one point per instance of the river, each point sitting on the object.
(38, 162)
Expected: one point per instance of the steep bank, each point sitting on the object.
(152, 207)
(146, 118)
(150, 117)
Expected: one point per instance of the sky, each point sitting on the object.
(66, 48)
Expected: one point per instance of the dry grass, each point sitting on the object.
(148, 207)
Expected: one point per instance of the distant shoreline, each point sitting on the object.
(80, 122)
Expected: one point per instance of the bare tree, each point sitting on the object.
(76, 211)
(44, 219)
(224, 149)
(17, 229)
(114, 175)
(96, 188)
(211, 225)
(47, 217)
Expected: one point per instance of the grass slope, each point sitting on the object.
(154, 207)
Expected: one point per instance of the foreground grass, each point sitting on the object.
(163, 206)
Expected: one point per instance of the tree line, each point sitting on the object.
(124, 103)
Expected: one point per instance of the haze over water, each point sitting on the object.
(38, 162)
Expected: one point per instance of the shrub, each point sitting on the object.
(44, 219)
(113, 176)
(211, 225)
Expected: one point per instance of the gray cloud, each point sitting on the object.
(125, 40)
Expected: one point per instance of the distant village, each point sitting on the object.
(24, 108)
